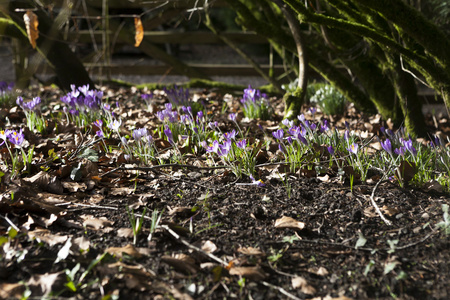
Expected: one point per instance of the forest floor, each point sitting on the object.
(300, 236)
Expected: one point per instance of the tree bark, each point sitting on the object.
(293, 103)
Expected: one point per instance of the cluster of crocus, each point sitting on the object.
(178, 96)
(168, 115)
(397, 143)
(143, 146)
(83, 102)
(255, 104)
(32, 113)
(32, 105)
(233, 152)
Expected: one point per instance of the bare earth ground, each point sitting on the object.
(217, 239)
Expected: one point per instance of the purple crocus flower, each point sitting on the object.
(287, 123)
(147, 97)
(241, 144)
(301, 138)
(387, 146)
(353, 148)
(400, 151)
(4, 87)
(30, 105)
(437, 141)
(259, 182)
(84, 89)
(213, 125)
(232, 117)
(100, 134)
(140, 133)
(184, 119)
(409, 146)
(301, 118)
(169, 134)
(199, 116)
(15, 137)
(226, 146)
(324, 127)
(115, 125)
(313, 110)
(347, 125)
(278, 134)
(223, 151)
(98, 123)
(230, 135)
(294, 130)
(330, 150)
(214, 147)
(289, 140)
(346, 135)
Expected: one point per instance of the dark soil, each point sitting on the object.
(220, 239)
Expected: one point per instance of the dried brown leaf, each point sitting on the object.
(125, 232)
(390, 211)
(44, 235)
(90, 221)
(31, 25)
(407, 170)
(303, 285)
(181, 262)
(320, 271)
(46, 182)
(209, 247)
(11, 290)
(253, 273)
(44, 284)
(288, 222)
(128, 250)
(251, 251)
(139, 36)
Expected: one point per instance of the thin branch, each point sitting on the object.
(377, 209)
(413, 75)
(154, 168)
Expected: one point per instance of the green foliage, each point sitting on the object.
(329, 99)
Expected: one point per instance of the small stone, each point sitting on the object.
(425, 216)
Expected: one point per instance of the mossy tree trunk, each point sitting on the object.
(293, 101)
(401, 32)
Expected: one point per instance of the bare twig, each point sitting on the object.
(377, 209)
(154, 168)
(280, 289)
